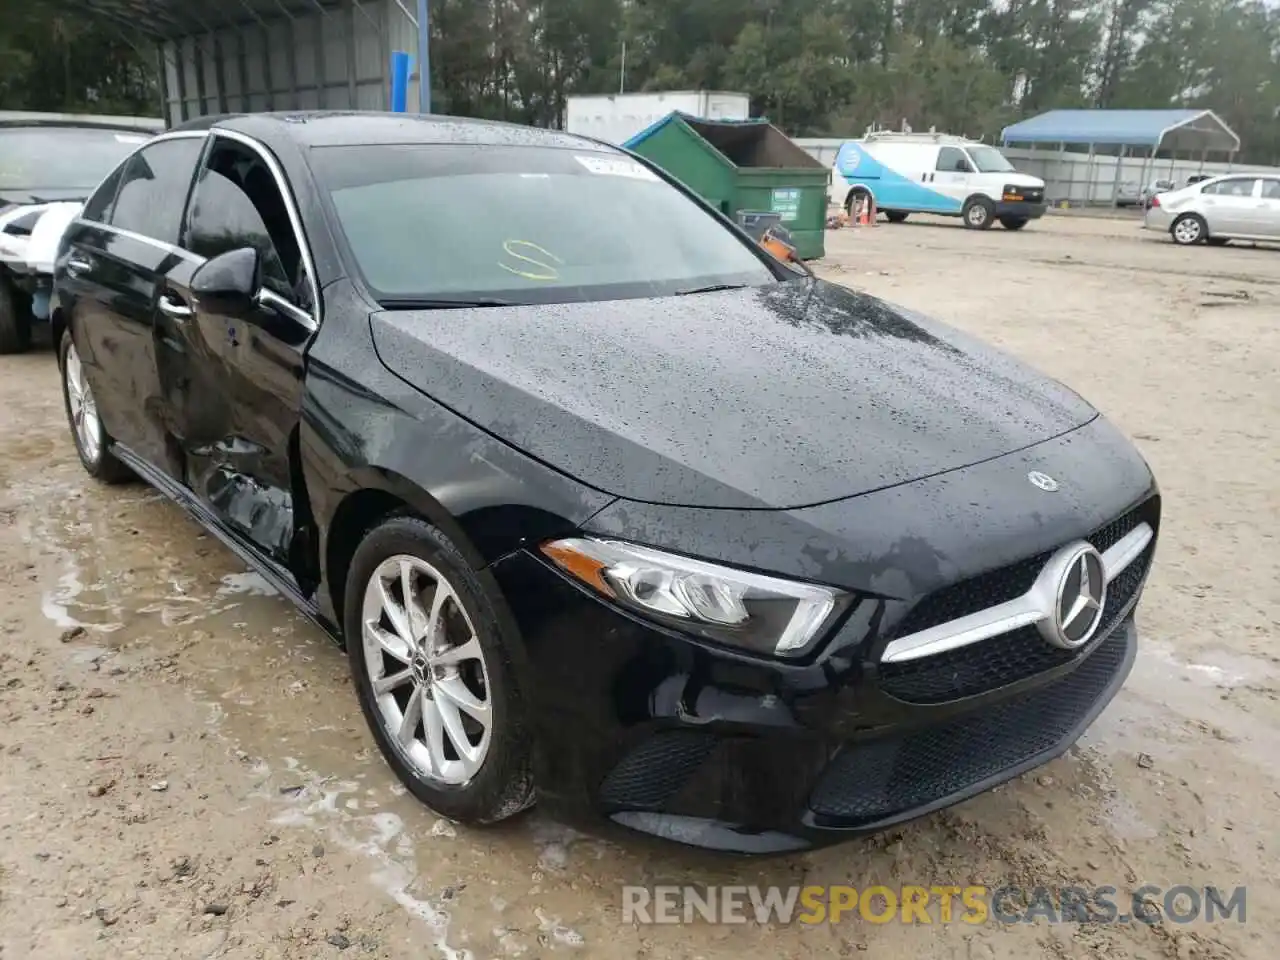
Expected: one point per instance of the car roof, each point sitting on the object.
(342, 128)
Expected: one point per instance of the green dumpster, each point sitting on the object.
(743, 166)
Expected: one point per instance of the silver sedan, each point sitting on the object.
(1234, 206)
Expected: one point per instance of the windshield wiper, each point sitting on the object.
(710, 288)
(443, 303)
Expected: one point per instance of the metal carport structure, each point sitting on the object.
(233, 56)
(1134, 134)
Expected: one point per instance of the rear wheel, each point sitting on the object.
(15, 324)
(895, 216)
(856, 199)
(433, 669)
(91, 438)
(1188, 229)
(978, 213)
(1216, 241)
(1013, 223)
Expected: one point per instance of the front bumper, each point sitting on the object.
(669, 737)
(1020, 209)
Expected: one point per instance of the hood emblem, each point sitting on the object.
(1043, 481)
(1079, 598)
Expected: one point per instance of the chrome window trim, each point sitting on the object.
(273, 301)
(141, 238)
(295, 220)
(1030, 608)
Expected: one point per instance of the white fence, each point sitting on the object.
(1078, 179)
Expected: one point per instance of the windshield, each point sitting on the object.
(990, 160)
(61, 160)
(523, 225)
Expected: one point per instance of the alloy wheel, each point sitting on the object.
(1187, 230)
(427, 670)
(84, 411)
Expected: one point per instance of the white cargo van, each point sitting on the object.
(909, 173)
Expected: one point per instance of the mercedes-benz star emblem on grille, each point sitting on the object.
(1080, 597)
(1043, 481)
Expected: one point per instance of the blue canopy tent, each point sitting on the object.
(1181, 130)
(1128, 133)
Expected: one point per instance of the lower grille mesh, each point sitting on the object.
(870, 782)
(652, 773)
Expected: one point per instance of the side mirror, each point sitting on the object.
(228, 283)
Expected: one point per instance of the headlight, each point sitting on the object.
(23, 225)
(749, 610)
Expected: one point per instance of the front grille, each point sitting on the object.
(1016, 655)
(1004, 584)
(650, 775)
(869, 782)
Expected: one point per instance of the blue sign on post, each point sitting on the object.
(399, 81)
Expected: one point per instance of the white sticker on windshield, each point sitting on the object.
(616, 167)
(130, 138)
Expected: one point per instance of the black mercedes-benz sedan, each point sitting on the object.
(610, 509)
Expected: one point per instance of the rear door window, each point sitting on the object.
(103, 201)
(1271, 189)
(154, 186)
(1234, 187)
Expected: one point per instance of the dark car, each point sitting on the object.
(610, 508)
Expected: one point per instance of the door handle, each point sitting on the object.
(178, 311)
(78, 265)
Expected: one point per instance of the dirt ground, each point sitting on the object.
(186, 773)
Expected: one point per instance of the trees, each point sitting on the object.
(812, 66)
(51, 61)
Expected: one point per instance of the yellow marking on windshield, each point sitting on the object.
(548, 271)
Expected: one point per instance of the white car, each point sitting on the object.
(907, 173)
(1234, 206)
(50, 164)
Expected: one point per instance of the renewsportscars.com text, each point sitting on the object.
(915, 904)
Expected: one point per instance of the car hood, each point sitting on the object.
(1023, 180)
(781, 396)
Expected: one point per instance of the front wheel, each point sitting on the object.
(91, 438)
(433, 668)
(15, 325)
(978, 213)
(1013, 223)
(1188, 229)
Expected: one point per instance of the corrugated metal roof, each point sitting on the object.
(1176, 129)
(169, 19)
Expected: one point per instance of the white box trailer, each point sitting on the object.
(616, 118)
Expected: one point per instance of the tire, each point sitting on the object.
(494, 780)
(15, 326)
(852, 198)
(87, 432)
(1189, 229)
(895, 216)
(978, 213)
(1013, 223)
(1216, 241)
